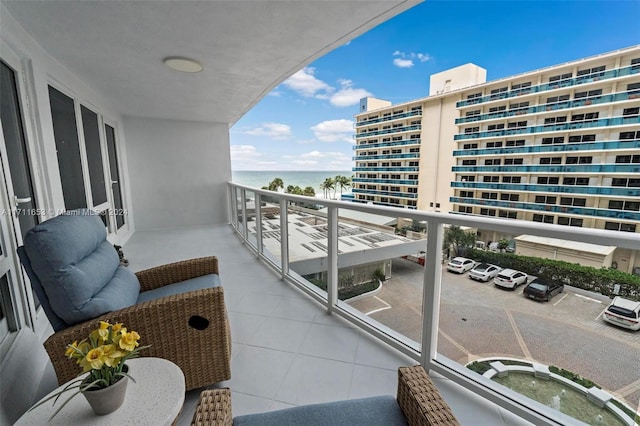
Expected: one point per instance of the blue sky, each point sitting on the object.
(306, 123)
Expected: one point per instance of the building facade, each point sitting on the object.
(557, 145)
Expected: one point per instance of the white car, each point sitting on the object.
(484, 272)
(623, 313)
(510, 278)
(460, 265)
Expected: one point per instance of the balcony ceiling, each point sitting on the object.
(246, 47)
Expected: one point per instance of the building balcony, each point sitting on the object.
(410, 155)
(413, 182)
(389, 118)
(606, 75)
(605, 122)
(576, 103)
(552, 208)
(387, 131)
(385, 169)
(618, 169)
(397, 194)
(404, 142)
(561, 189)
(563, 147)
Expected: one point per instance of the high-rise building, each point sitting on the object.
(556, 145)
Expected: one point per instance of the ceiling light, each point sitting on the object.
(183, 64)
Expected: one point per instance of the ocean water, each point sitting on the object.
(258, 179)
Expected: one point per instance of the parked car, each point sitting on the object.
(460, 265)
(510, 278)
(540, 289)
(484, 272)
(623, 313)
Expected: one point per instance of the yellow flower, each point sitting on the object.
(71, 349)
(117, 327)
(129, 341)
(111, 355)
(94, 358)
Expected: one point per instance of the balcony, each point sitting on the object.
(398, 194)
(386, 144)
(410, 155)
(339, 243)
(534, 149)
(387, 131)
(605, 122)
(389, 118)
(620, 72)
(618, 169)
(390, 181)
(562, 189)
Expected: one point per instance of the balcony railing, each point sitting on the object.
(298, 242)
(386, 144)
(552, 208)
(561, 189)
(563, 147)
(387, 131)
(389, 118)
(397, 194)
(385, 169)
(620, 169)
(604, 122)
(594, 100)
(411, 155)
(391, 181)
(605, 75)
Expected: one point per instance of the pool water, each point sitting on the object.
(559, 397)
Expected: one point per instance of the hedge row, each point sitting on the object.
(601, 280)
(346, 293)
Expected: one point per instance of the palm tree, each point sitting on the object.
(275, 184)
(295, 190)
(327, 186)
(343, 182)
(309, 191)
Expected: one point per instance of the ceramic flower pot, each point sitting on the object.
(109, 399)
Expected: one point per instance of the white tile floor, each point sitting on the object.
(286, 349)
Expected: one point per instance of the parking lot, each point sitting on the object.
(479, 320)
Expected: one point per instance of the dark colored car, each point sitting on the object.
(540, 289)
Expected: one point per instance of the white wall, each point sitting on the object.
(456, 78)
(178, 172)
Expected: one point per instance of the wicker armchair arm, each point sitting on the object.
(214, 408)
(175, 272)
(189, 329)
(420, 400)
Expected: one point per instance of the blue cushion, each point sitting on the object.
(78, 268)
(198, 283)
(375, 411)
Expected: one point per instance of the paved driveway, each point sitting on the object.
(479, 320)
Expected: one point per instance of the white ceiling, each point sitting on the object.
(246, 47)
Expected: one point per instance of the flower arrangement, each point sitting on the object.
(103, 356)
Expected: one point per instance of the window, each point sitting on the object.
(582, 138)
(463, 209)
(511, 179)
(549, 141)
(470, 146)
(491, 179)
(631, 111)
(555, 120)
(494, 144)
(568, 201)
(555, 99)
(585, 117)
(488, 212)
(396, 151)
(414, 137)
(468, 162)
(499, 93)
(520, 85)
(412, 177)
(495, 127)
(472, 113)
(542, 218)
(569, 221)
(582, 181)
(633, 89)
(544, 199)
(624, 227)
(629, 135)
(496, 109)
(551, 160)
(414, 149)
(545, 180)
(516, 124)
(519, 106)
(510, 161)
(467, 194)
(634, 183)
(509, 197)
(468, 179)
(590, 71)
(413, 164)
(624, 205)
(489, 195)
(579, 160)
(556, 79)
(627, 158)
(588, 94)
(508, 214)
(475, 95)
(492, 162)
(412, 190)
(519, 142)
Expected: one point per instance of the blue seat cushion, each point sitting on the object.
(78, 268)
(198, 283)
(375, 411)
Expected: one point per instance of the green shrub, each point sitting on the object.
(588, 278)
(574, 377)
(346, 292)
(479, 367)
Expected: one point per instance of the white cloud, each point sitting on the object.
(347, 95)
(405, 60)
(334, 131)
(276, 131)
(403, 63)
(306, 84)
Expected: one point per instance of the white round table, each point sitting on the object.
(155, 398)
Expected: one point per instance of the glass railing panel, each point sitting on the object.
(381, 270)
(238, 219)
(250, 213)
(495, 334)
(308, 243)
(569, 189)
(270, 228)
(586, 146)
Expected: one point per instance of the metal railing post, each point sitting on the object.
(431, 293)
(259, 246)
(284, 237)
(243, 200)
(332, 258)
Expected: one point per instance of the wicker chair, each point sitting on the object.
(190, 329)
(418, 398)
